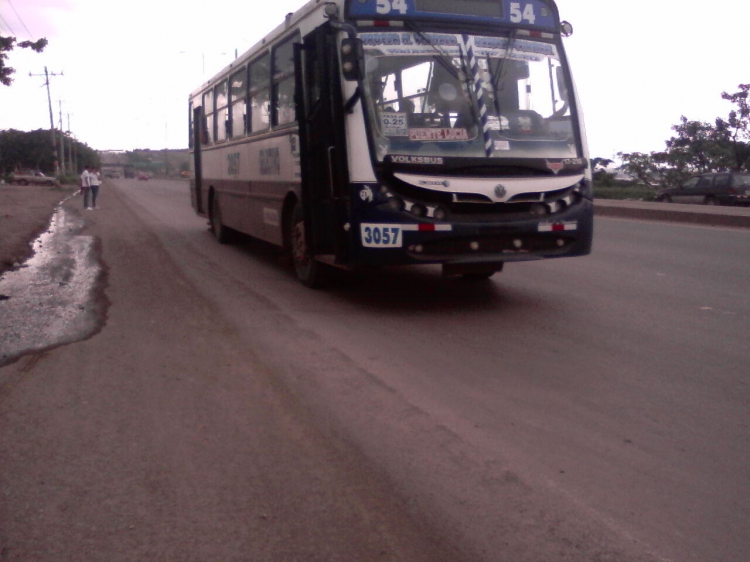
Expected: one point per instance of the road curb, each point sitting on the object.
(738, 217)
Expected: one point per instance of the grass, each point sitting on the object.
(624, 191)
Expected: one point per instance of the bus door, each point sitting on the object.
(197, 160)
(323, 160)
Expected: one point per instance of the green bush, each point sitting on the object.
(69, 179)
(624, 191)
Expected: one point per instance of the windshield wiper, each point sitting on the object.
(497, 76)
(501, 65)
(443, 59)
(443, 56)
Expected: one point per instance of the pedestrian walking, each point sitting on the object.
(95, 180)
(86, 187)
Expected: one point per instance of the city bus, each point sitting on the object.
(366, 133)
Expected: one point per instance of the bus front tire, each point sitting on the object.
(310, 272)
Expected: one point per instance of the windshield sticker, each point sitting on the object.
(407, 43)
(502, 145)
(393, 124)
(491, 46)
(438, 134)
(497, 124)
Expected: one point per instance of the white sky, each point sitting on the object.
(130, 65)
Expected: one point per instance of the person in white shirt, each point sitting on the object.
(86, 187)
(95, 181)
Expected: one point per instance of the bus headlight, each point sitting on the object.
(418, 210)
(396, 204)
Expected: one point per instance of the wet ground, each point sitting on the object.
(53, 298)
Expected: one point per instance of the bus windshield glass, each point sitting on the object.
(459, 95)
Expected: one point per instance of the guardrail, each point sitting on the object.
(674, 212)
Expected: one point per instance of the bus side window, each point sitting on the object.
(191, 125)
(284, 111)
(222, 111)
(208, 117)
(238, 108)
(260, 85)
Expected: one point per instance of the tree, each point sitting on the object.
(7, 44)
(736, 129)
(19, 149)
(601, 176)
(698, 147)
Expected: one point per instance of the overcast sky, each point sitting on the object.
(129, 66)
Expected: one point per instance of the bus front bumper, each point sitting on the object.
(568, 234)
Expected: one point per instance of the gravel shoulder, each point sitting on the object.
(25, 212)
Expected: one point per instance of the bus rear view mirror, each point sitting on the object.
(351, 54)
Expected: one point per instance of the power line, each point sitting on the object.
(7, 25)
(21, 20)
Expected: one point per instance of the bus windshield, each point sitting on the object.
(459, 95)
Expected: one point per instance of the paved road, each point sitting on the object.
(585, 409)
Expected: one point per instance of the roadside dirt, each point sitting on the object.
(25, 212)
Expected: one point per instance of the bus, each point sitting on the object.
(366, 133)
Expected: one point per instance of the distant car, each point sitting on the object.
(32, 177)
(726, 188)
(142, 177)
(112, 175)
(185, 174)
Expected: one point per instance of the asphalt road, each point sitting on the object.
(585, 409)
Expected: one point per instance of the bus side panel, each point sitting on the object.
(252, 179)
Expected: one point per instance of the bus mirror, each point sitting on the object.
(566, 29)
(351, 51)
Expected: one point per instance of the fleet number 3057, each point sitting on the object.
(381, 236)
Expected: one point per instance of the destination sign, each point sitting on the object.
(525, 13)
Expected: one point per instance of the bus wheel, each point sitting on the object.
(310, 272)
(220, 231)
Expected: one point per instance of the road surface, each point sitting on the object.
(588, 409)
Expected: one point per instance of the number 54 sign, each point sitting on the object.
(387, 6)
(519, 14)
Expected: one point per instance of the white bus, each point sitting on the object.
(395, 132)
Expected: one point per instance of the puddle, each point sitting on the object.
(52, 298)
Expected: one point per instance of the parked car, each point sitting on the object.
(726, 188)
(142, 176)
(32, 177)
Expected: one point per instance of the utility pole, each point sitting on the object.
(51, 118)
(62, 139)
(73, 161)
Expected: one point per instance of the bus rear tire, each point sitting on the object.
(310, 272)
(220, 231)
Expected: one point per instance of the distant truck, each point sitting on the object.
(32, 177)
